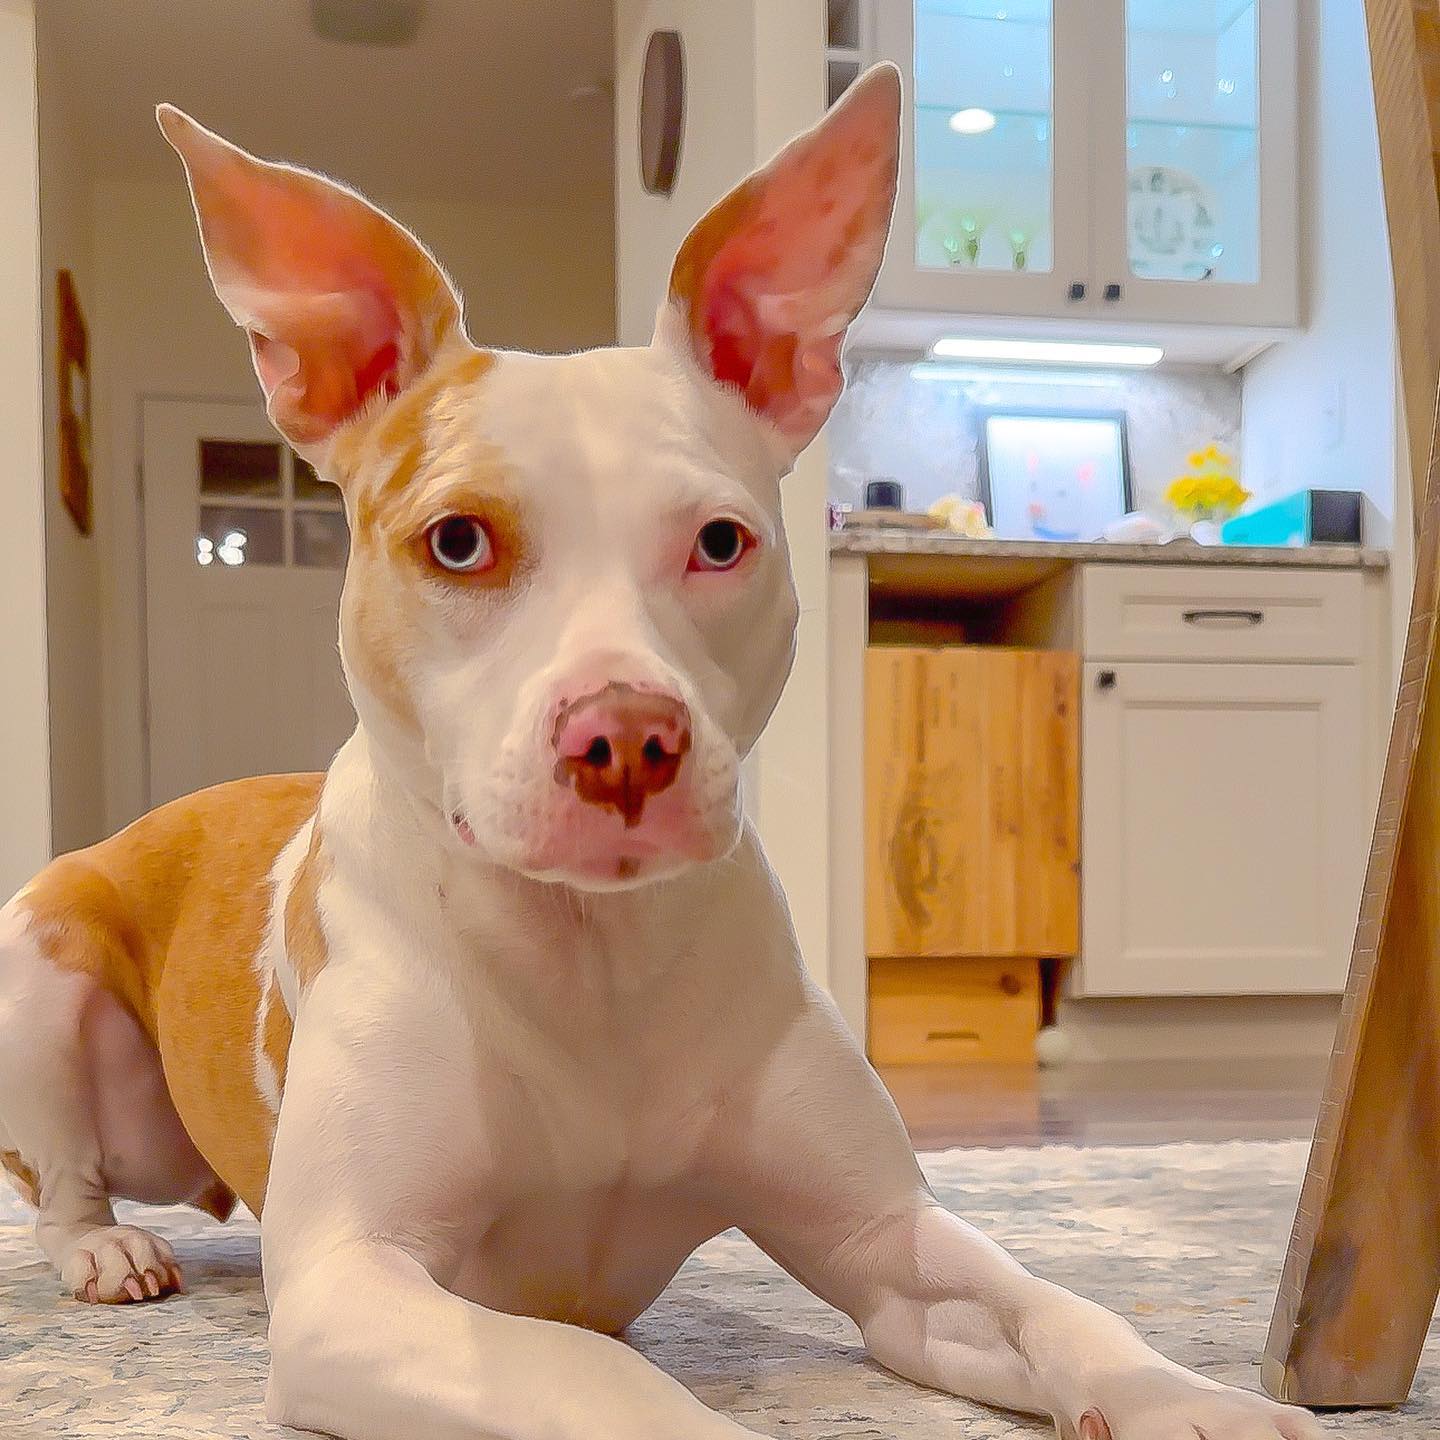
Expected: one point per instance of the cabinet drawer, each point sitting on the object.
(943, 1011)
(1193, 612)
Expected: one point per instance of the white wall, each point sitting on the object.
(755, 77)
(24, 727)
(72, 562)
(718, 149)
(793, 781)
(157, 329)
(1293, 436)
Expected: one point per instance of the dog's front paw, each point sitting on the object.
(1165, 1404)
(118, 1264)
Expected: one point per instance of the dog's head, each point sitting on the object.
(568, 609)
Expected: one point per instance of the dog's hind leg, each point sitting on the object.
(62, 1035)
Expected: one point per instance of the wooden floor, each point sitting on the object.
(1136, 1103)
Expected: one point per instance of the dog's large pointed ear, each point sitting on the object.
(767, 283)
(340, 303)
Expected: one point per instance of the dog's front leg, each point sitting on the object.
(941, 1304)
(825, 1178)
(366, 1346)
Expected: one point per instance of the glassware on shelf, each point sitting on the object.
(961, 231)
(964, 240)
(1019, 239)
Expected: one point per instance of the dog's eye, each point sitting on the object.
(720, 545)
(461, 544)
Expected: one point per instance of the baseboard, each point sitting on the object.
(1242, 1027)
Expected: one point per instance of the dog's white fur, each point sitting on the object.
(518, 1091)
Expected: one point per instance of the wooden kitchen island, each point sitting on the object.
(1233, 707)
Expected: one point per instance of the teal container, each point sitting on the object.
(1282, 522)
(1308, 517)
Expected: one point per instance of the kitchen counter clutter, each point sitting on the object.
(1232, 706)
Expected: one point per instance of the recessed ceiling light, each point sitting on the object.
(972, 121)
(1045, 352)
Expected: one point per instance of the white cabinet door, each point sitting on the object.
(1224, 827)
(992, 216)
(1196, 161)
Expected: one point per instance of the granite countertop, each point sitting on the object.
(872, 540)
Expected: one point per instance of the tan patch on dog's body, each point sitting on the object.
(395, 443)
(305, 946)
(381, 613)
(22, 1175)
(169, 915)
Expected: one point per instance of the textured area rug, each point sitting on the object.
(1186, 1240)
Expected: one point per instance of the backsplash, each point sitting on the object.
(924, 433)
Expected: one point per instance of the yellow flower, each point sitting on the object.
(1209, 489)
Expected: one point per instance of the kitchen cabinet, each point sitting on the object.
(1232, 713)
(1105, 161)
(1226, 781)
(971, 835)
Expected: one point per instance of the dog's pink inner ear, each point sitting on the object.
(771, 278)
(339, 302)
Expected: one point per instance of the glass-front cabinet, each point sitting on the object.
(1130, 159)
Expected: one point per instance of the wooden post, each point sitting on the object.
(1363, 1272)
(1404, 62)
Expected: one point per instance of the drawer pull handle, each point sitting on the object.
(970, 1037)
(1238, 617)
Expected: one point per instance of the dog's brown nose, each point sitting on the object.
(620, 746)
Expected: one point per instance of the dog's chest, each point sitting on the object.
(595, 1258)
(585, 1171)
(608, 1185)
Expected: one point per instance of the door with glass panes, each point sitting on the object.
(244, 559)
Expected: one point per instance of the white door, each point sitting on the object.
(244, 559)
(1224, 828)
(1196, 161)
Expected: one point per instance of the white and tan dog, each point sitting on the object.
(516, 964)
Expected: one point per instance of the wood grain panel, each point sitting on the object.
(1426, 17)
(972, 802)
(1363, 1272)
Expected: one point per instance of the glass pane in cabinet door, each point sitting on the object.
(1193, 140)
(984, 127)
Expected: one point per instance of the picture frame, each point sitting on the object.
(1058, 475)
(73, 379)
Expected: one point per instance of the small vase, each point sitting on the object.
(1206, 532)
